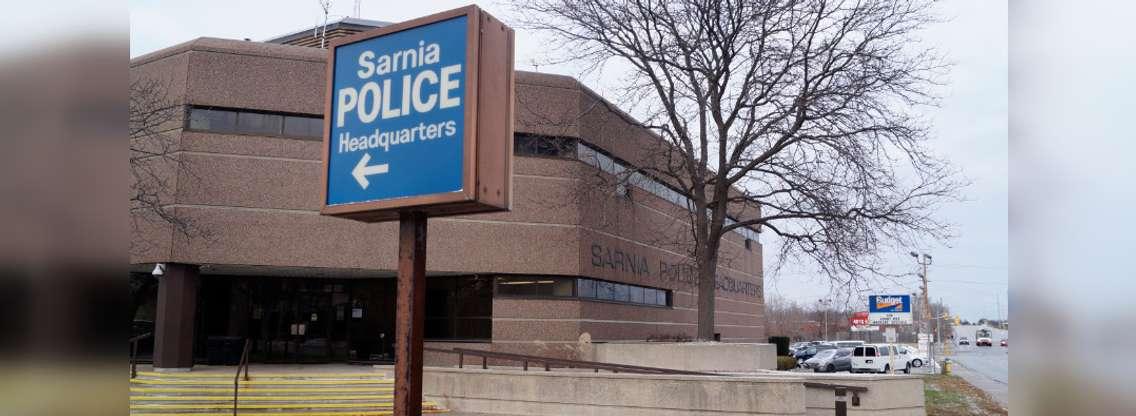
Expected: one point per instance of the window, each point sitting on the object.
(213, 120)
(586, 288)
(543, 146)
(563, 287)
(459, 308)
(258, 123)
(311, 127)
(884, 352)
(597, 159)
(605, 291)
(528, 286)
(582, 288)
(622, 293)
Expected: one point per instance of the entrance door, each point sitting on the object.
(298, 320)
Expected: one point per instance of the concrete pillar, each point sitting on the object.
(173, 326)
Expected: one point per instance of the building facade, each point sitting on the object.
(574, 262)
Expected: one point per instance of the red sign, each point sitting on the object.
(859, 319)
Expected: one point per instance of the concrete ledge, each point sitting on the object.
(888, 394)
(690, 356)
(512, 392)
(507, 391)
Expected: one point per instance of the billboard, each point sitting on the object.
(419, 116)
(889, 310)
(859, 322)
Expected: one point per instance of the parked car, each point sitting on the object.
(879, 358)
(964, 341)
(915, 357)
(1004, 343)
(848, 344)
(829, 361)
(810, 351)
(801, 346)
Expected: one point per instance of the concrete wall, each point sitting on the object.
(890, 395)
(719, 357)
(561, 392)
(511, 392)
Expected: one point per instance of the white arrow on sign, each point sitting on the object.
(361, 170)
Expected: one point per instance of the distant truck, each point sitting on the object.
(983, 338)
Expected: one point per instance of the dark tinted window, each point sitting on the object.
(622, 293)
(545, 146)
(256, 123)
(605, 291)
(458, 308)
(213, 120)
(636, 294)
(527, 286)
(304, 127)
(582, 288)
(586, 288)
(261, 124)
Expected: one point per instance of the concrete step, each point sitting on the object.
(292, 394)
(255, 381)
(253, 391)
(255, 375)
(352, 413)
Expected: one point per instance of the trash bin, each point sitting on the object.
(223, 350)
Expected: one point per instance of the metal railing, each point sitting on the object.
(134, 353)
(841, 392)
(550, 362)
(237, 377)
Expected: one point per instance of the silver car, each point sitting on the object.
(831, 360)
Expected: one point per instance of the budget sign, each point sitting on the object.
(889, 309)
(419, 117)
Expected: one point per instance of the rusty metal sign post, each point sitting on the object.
(418, 123)
(410, 311)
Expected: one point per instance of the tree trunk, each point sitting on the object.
(707, 283)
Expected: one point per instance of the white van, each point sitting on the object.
(880, 358)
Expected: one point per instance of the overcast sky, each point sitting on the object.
(970, 129)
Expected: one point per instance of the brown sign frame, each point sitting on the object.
(487, 137)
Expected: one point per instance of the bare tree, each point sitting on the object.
(794, 116)
(154, 161)
(154, 168)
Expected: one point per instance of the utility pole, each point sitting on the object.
(924, 261)
(825, 302)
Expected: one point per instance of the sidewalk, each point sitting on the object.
(997, 389)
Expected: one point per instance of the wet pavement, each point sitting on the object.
(987, 368)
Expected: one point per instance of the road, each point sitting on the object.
(987, 368)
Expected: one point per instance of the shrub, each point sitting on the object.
(785, 363)
(782, 345)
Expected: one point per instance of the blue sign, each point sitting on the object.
(398, 115)
(889, 303)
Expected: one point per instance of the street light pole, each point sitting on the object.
(825, 302)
